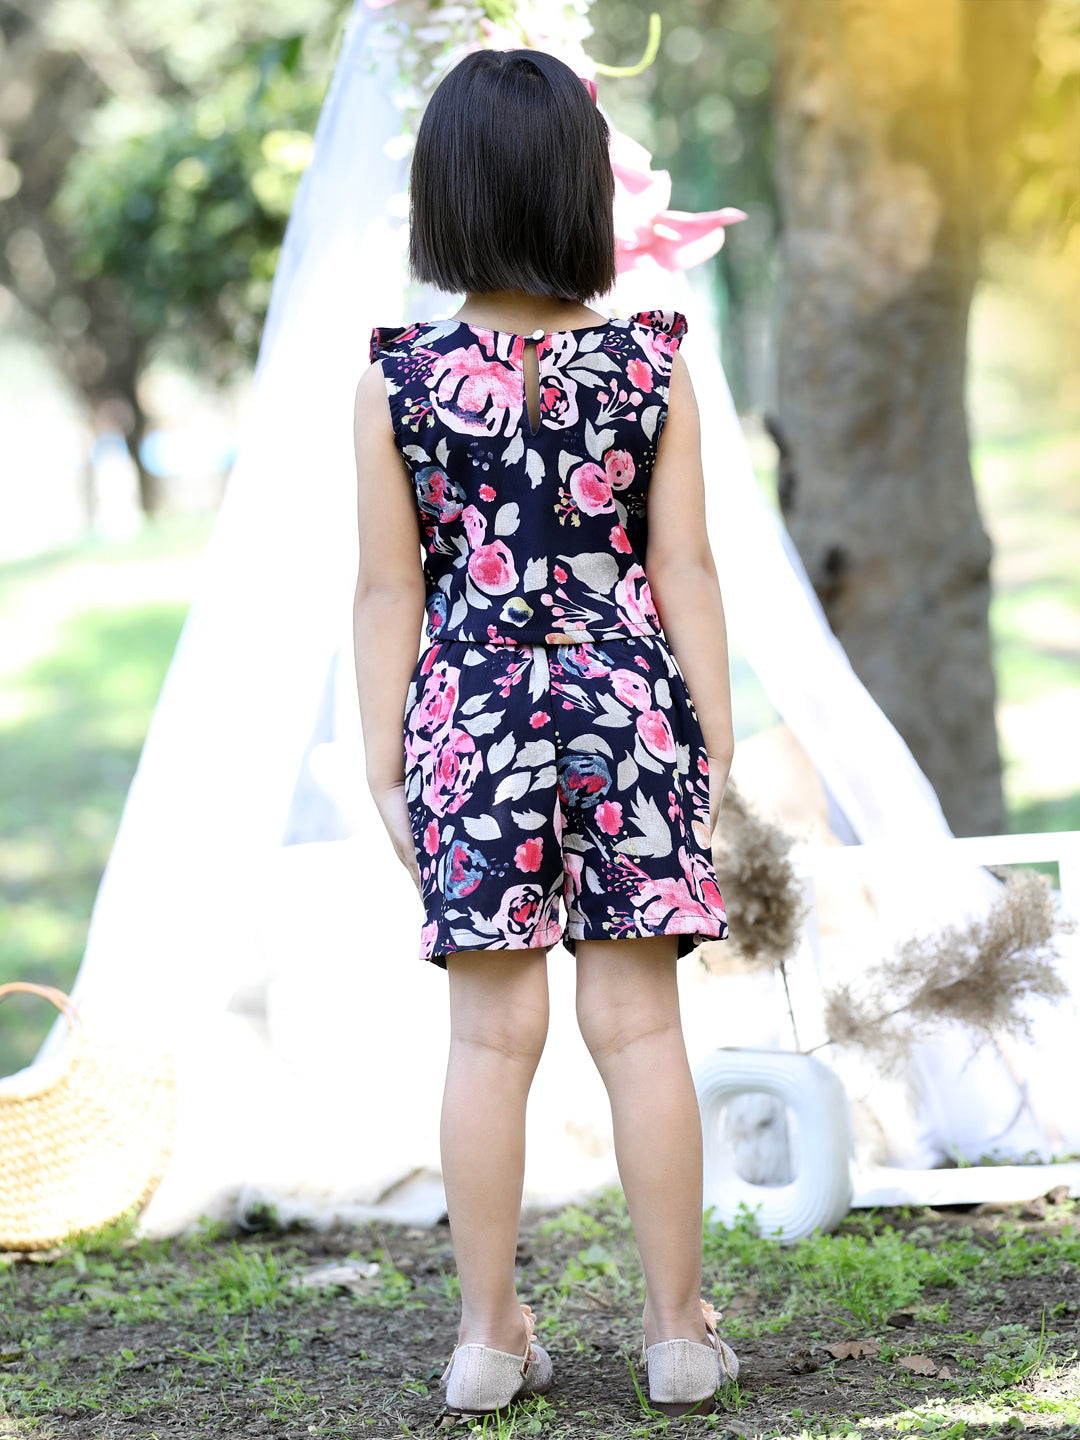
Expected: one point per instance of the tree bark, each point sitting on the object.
(890, 116)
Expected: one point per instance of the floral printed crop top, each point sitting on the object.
(532, 538)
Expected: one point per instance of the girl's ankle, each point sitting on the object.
(507, 1333)
(686, 1323)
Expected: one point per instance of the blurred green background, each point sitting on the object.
(148, 158)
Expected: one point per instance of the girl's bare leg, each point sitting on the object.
(498, 1025)
(628, 1012)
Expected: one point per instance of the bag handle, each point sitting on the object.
(50, 992)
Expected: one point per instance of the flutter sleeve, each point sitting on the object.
(670, 323)
(384, 339)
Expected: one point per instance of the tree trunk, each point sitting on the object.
(890, 117)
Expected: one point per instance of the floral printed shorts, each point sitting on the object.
(539, 773)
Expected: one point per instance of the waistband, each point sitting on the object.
(562, 642)
(558, 637)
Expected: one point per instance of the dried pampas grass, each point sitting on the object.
(980, 974)
(762, 894)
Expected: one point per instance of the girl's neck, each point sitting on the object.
(519, 313)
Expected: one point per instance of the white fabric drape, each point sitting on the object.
(253, 917)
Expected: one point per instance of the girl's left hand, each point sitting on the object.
(394, 812)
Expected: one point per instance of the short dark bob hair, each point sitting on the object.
(511, 186)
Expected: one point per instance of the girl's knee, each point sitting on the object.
(499, 1003)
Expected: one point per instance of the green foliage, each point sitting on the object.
(187, 215)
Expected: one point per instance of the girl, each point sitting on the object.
(545, 464)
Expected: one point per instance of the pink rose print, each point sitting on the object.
(558, 402)
(528, 855)
(486, 492)
(669, 903)
(653, 727)
(620, 468)
(560, 574)
(472, 392)
(435, 708)
(591, 491)
(619, 540)
(427, 940)
(634, 599)
(519, 912)
(431, 837)
(631, 689)
(609, 816)
(640, 375)
(492, 568)
(660, 345)
(537, 718)
(449, 769)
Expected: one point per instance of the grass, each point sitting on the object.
(86, 635)
(204, 1335)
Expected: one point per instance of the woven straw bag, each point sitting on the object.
(83, 1137)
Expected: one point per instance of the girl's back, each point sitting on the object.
(532, 536)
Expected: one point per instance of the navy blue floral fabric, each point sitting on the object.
(532, 537)
(553, 754)
(538, 773)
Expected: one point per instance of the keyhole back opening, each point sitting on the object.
(531, 367)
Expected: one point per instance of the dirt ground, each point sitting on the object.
(365, 1358)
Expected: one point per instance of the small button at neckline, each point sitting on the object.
(537, 335)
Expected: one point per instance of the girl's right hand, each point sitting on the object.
(718, 775)
(394, 811)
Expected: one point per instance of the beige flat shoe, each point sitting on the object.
(480, 1380)
(684, 1375)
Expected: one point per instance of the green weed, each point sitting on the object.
(243, 1279)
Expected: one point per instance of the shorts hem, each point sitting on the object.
(537, 942)
(688, 940)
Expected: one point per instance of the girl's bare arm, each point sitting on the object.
(682, 576)
(388, 608)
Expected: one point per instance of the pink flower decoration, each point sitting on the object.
(429, 933)
(560, 574)
(640, 376)
(609, 816)
(646, 231)
(619, 541)
(631, 689)
(431, 837)
(527, 856)
(537, 718)
(619, 464)
(591, 491)
(492, 568)
(653, 727)
(486, 492)
(476, 393)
